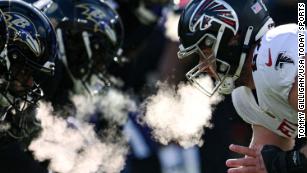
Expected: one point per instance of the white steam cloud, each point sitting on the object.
(114, 105)
(180, 115)
(72, 145)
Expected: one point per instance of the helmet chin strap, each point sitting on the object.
(228, 84)
(218, 39)
(244, 52)
(62, 53)
(87, 44)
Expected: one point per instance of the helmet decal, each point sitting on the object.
(213, 10)
(23, 30)
(98, 16)
(92, 13)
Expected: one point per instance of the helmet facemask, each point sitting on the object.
(20, 95)
(205, 51)
(18, 87)
(86, 56)
(99, 55)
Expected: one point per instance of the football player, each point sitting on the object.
(28, 48)
(30, 51)
(238, 47)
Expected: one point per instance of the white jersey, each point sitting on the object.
(274, 72)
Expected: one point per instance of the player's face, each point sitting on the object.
(208, 64)
(22, 80)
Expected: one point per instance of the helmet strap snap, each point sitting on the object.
(246, 46)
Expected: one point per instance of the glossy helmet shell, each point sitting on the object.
(32, 40)
(102, 24)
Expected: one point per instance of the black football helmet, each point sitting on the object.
(30, 50)
(90, 35)
(3, 32)
(220, 33)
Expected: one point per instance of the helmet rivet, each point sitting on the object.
(223, 68)
(208, 42)
(14, 56)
